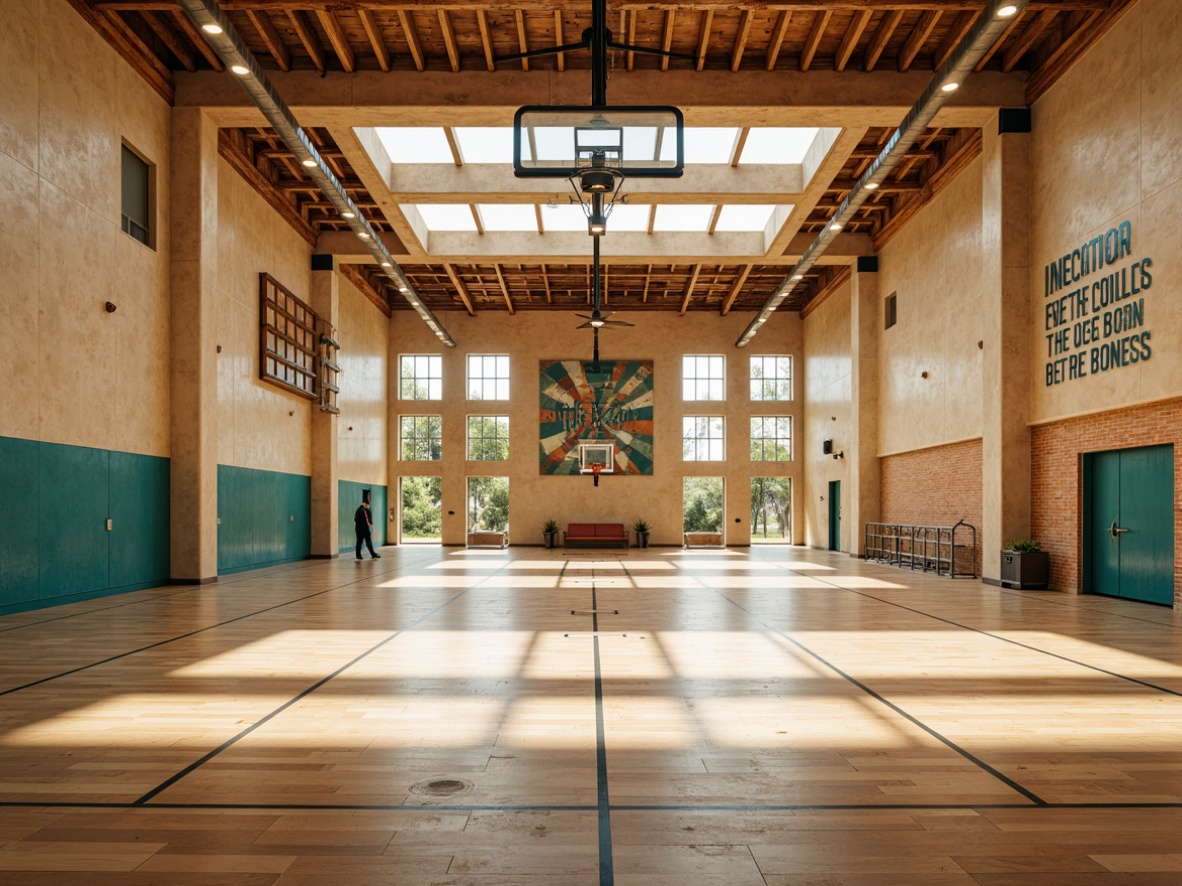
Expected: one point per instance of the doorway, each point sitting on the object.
(771, 510)
(1129, 523)
(702, 500)
(835, 515)
(421, 500)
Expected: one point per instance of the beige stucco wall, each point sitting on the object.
(935, 266)
(827, 386)
(531, 337)
(72, 372)
(259, 424)
(364, 334)
(1107, 148)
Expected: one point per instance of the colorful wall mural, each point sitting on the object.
(589, 402)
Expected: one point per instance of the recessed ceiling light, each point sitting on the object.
(1007, 10)
(348, 214)
(386, 264)
(240, 70)
(796, 278)
(871, 186)
(212, 28)
(309, 162)
(950, 87)
(363, 235)
(836, 226)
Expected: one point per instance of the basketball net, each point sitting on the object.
(596, 467)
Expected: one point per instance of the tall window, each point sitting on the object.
(701, 438)
(420, 438)
(488, 504)
(420, 377)
(137, 197)
(771, 378)
(488, 377)
(771, 438)
(488, 438)
(703, 377)
(702, 504)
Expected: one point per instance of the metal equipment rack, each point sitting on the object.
(945, 550)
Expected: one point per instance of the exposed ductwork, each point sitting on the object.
(994, 19)
(221, 35)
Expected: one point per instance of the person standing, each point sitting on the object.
(364, 525)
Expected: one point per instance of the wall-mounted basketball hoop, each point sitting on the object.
(596, 459)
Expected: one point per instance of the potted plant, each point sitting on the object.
(550, 533)
(641, 528)
(1024, 564)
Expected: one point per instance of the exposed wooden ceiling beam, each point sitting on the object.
(476, 217)
(158, 22)
(820, 22)
(486, 39)
(1074, 45)
(689, 290)
(703, 37)
(374, 32)
(453, 144)
(538, 218)
(667, 41)
(740, 143)
(505, 290)
(714, 214)
(302, 25)
(412, 38)
(881, 37)
(1002, 38)
(917, 38)
(522, 39)
(365, 286)
(777, 39)
(271, 39)
(241, 163)
(195, 37)
(956, 31)
(741, 40)
(558, 41)
(1032, 32)
(449, 40)
(461, 290)
(336, 36)
(736, 288)
(850, 41)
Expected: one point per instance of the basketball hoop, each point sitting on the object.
(596, 468)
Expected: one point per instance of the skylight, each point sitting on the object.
(744, 217)
(777, 145)
(709, 144)
(681, 217)
(416, 144)
(446, 216)
(509, 217)
(485, 144)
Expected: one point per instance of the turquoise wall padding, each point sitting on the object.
(55, 501)
(348, 500)
(264, 517)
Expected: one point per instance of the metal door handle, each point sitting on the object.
(1115, 530)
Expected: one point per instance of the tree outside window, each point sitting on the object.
(771, 438)
(702, 438)
(488, 438)
(420, 438)
(488, 504)
(420, 377)
(771, 378)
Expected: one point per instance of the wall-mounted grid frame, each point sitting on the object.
(328, 371)
(287, 339)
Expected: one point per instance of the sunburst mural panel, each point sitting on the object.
(588, 402)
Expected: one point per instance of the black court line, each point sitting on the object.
(1083, 664)
(185, 636)
(947, 742)
(1091, 610)
(606, 870)
(140, 602)
(230, 742)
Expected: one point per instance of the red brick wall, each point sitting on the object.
(1056, 470)
(934, 487)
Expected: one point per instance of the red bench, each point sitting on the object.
(595, 535)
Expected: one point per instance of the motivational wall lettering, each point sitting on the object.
(1097, 324)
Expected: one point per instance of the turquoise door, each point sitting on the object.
(1129, 520)
(835, 515)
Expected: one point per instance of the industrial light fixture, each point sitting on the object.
(228, 44)
(983, 35)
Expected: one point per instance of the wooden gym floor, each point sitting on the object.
(504, 718)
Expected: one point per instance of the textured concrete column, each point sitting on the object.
(862, 501)
(1005, 391)
(194, 379)
(325, 300)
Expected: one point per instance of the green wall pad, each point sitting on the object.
(264, 517)
(348, 500)
(55, 546)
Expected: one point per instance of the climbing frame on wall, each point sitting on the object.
(287, 339)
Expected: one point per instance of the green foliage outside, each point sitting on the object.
(702, 504)
(422, 508)
(771, 508)
(488, 503)
(422, 437)
(488, 438)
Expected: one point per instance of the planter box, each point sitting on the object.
(1028, 569)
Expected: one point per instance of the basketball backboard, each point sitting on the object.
(603, 454)
(560, 142)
